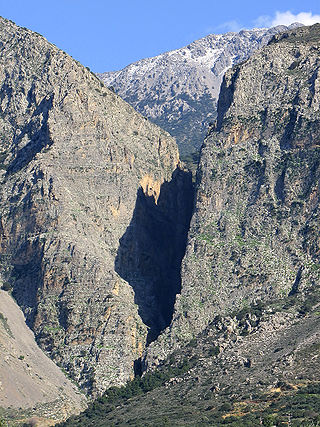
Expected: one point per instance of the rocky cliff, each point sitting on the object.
(230, 375)
(178, 90)
(80, 169)
(243, 345)
(254, 234)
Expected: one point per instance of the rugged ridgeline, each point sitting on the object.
(81, 172)
(243, 345)
(30, 383)
(254, 233)
(178, 90)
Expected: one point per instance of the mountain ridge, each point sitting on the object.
(179, 89)
(97, 245)
(257, 189)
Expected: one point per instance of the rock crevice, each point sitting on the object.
(151, 250)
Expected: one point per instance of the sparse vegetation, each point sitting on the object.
(4, 322)
(116, 396)
(6, 287)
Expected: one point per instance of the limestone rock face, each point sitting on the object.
(255, 231)
(178, 90)
(73, 158)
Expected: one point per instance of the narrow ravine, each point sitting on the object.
(151, 250)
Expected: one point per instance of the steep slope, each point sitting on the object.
(254, 233)
(243, 346)
(266, 375)
(178, 90)
(29, 379)
(75, 159)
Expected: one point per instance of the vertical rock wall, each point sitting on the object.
(254, 233)
(73, 158)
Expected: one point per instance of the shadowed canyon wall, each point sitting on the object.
(151, 250)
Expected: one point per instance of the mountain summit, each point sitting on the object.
(178, 90)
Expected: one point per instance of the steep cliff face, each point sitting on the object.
(73, 158)
(178, 90)
(254, 233)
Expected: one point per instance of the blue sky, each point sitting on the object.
(108, 35)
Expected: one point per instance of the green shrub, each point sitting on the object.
(193, 343)
(4, 322)
(225, 407)
(269, 420)
(214, 351)
(6, 286)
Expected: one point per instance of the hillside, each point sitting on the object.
(267, 375)
(31, 384)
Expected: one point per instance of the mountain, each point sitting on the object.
(163, 320)
(253, 235)
(178, 90)
(243, 345)
(31, 384)
(95, 208)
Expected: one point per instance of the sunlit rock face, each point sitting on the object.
(74, 157)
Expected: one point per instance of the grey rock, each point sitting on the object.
(29, 380)
(254, 233)
(74, 156)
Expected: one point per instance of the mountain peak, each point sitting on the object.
(178, 90)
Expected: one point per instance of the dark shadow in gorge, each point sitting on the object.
(151, 250)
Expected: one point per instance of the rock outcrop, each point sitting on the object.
(178, 90)
(254, 234)
(74, 159)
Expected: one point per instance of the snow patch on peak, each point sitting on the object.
(168, 87)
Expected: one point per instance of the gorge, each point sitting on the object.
(158, 296)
